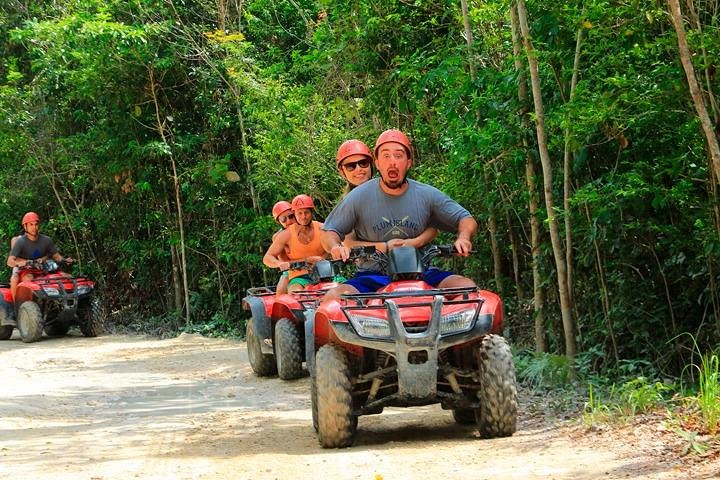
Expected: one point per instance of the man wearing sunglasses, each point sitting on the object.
(390, 211)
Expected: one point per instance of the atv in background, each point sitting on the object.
(410, 344)
(52, 302)
(275, 334)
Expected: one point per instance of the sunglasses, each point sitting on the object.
(285, 218)
(350, 166)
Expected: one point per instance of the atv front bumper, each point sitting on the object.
(416, 354)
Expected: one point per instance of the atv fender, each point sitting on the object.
(261, 324)
(7, 314)
(310, 341)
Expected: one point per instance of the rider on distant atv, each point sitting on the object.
(300, 241)
(394, 211)
(32, 246)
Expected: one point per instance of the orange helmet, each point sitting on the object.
(352, 147)
(30, 217)
(396, 136)
(302, 201)
(280, 207)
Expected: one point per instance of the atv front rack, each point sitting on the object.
(362, 297)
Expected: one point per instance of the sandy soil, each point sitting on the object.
(124, 407)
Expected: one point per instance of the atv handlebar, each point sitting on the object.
(355, 254)
(49, 265)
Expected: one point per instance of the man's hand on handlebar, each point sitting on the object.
(340, 252)
(463, 247)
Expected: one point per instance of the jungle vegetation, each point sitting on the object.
(154, 136)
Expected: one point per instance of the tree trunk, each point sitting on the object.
(603, 290)
(530, 175)
(178, 203)
(567, 181)
(515, 250)
(492, 217)
(568, 327)
(685, 58)
(177, 279)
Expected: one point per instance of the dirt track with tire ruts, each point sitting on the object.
(124, 407)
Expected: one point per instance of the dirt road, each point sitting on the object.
(124, 407)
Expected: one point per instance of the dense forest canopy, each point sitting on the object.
(154, 136)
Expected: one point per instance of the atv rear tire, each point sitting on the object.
(90, 315)
(29, 322)
(5, 331)
(57, 330)
(498, 391)
(288, 350)
(336, 423)
(262, 364)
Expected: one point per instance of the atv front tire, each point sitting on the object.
(498, 391)
(29, 322)
(91, 317)
(262, 364)
(288, 350)
(336, 423)
(5, 331)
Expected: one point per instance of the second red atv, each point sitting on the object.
(410, 344)
(51, 302)
(275, 334)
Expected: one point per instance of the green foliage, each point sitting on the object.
(624, 401)
(545, 370)
(707, 388)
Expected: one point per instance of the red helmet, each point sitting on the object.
(396, 136)
(352, 147)
(30, 217)
(280, 207)
(302, 201)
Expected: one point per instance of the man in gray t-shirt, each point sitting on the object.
(392, 211)
(31, 246)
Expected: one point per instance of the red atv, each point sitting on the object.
(52, 302)
(275, 333)
(410, 344)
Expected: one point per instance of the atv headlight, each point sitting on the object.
(51, 291)
(457, 322)
(370, 327)
(83, 289)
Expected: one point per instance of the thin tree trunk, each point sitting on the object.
(221, 14)
(708, 81)
(530, 175)
(216, 262)
(177, 278)
(685, 58)
(515, 251)
(604, 290)
(492, 220)
(567, 181)
(568, 327)
(468, 37)
(176, 181)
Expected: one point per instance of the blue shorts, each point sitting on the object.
(368, 282)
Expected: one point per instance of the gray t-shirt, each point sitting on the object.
(378, 217)
(27, 249)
